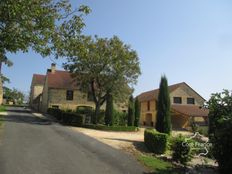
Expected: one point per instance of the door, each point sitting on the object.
(149, 120)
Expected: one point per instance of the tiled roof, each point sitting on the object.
(61, 79)
(39, 79)
(153, 94)
(190, 110)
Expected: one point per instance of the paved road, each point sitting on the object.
(31, 145)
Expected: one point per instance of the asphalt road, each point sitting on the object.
(31, 145)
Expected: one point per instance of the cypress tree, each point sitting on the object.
(137, 112)
(130, 121)
(109, 110)
(163, 122)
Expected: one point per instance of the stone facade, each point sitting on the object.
(57, 97)
(179, 120)
(185, 92)
(37, 86)
(53, 92)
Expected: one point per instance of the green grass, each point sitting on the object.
(158, 166)
(111, 128)
(2, 108)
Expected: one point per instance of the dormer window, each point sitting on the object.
(177, 100)
(191, 101)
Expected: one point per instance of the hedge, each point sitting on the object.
(155, 141)
(67, 118)
(57, 113)
(181, 150)
(111, 128)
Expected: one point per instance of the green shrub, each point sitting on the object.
(137, 112)
(119, 118)
(155, 141)
(86, 110)
(222, 145)
(181, 150)
(2, 108)
(101, 117)
(203, 130)
(109, 110)
(71, 118)
(112, 128)
(67, 117)
(57, 113)
(220, 127)
(131, 116)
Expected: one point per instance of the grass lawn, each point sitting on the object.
(2, 108)
(158, 166)
(111, 128)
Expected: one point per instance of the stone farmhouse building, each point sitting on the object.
(57, 89)
(185, 106)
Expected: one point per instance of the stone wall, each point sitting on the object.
(45, 94)
(57, 97)
(185, 92)
(145, 111)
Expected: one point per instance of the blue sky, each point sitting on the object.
(188, 41)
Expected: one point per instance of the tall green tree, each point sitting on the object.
(34, 24)
(109, 110)
(163, 122)
(137, 112)
(13, 95)
(131, 116)
(102, 65)
(220, 127)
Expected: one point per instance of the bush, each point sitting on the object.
(181, 151)
(220, 127)
(71, 118)
(119, 118)
(155, 141)
(112, 128)
(109, 110)
(137, 112)
(86, 110)
(67, 118)
(57, 113)
(222, 146)
(101, 117)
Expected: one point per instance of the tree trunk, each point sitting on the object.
(97, 110)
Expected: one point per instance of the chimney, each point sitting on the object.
(53, 68)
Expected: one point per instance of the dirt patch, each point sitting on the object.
(118, 140)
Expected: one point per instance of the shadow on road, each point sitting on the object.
(21, 118)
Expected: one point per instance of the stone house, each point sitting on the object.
(58, 90)
(36, 90)
(186, 106)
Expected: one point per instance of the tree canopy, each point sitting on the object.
(33, 24)
(103, 65)
(36, 25)
(220, 127)
(13, 95)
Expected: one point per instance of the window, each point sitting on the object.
(190, 101)
(148, 105)
(69, 95)
(177, 100)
